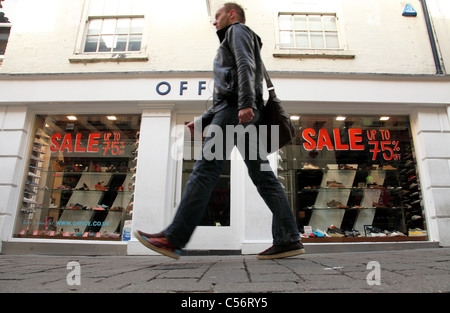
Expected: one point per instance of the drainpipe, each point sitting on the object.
(437, 60)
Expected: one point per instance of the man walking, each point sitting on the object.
(238, 100)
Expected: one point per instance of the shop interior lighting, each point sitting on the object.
(384, 118)
(112, 118)
(340, 118)
(295, 117)
(71, 117)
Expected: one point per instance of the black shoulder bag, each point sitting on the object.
(273, 114)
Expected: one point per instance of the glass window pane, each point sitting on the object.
(137, 26)
(300, 22)
(135, 43)
(301, 40)
(317, 40)
(381, 181)
(286, 39)
(120, 43)
(315, 23)
(123, 26)
(332, 40)
(80, 180)
(91, 44)
(217, 213)
(109, 26)
(94, 27)
(329, 23)
(285, 22)
(106, 43)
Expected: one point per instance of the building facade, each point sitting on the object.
(94, 98)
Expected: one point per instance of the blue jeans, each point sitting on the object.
(206, 172)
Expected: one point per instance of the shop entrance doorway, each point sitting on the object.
(219, 227)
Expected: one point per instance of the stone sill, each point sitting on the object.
(313, 54)
(108, 57)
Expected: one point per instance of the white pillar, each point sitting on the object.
(150, 200)
(14, 127)
(431, 127)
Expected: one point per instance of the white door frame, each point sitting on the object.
(209, 237)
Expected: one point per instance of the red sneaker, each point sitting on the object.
(159, 244)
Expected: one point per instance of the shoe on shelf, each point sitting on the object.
(309, 166)
(282, 251)
(158, 244)
(321, 233)
(333, 231)
(334, 184)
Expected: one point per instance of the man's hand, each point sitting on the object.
(190, 126)
(246, 115)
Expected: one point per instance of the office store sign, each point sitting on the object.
(378, 141)
(165, 88)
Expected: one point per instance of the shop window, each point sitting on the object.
(353, 179)
(80, 178)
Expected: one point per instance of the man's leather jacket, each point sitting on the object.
(237, 71)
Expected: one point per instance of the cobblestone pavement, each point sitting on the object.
(408, 271)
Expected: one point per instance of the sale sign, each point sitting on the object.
(388, 148)
(70, 144)
(109, 142)
(377, 141)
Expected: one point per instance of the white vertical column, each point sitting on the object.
(150, 200)
(431, 127)
(14, 127)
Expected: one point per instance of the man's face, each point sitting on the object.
(222, 18)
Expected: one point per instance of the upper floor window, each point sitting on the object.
(308, 31)
(114, 34)
(113, 31)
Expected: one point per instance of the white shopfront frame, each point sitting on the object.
(424, 99)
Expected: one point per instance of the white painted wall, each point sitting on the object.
(179, 36)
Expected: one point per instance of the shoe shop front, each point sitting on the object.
(80, 177)
(362, 173)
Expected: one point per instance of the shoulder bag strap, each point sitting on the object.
(269, 83)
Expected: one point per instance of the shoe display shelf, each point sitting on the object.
(30, 197)
(354, 197)
(76, 198)
(72, 212)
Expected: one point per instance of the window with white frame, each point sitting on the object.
(113, 31)
(308, 31)
(114, 34)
